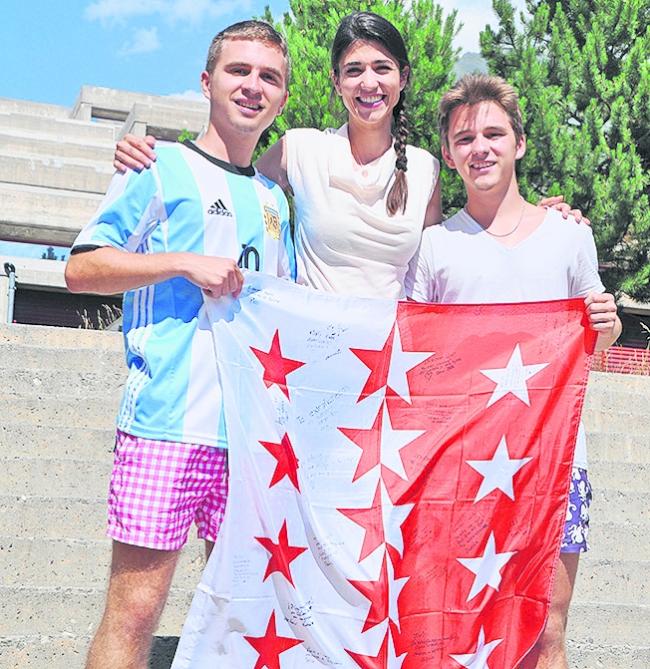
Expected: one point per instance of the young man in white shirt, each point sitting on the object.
(500, 248)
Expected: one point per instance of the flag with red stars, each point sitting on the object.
(399, 475)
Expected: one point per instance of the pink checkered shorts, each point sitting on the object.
(159, 487)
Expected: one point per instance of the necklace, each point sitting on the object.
(510, 232)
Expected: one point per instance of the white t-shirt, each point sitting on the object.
(458, 262)
(345, 240)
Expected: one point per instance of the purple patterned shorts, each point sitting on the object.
(158, 488)
(576, 527)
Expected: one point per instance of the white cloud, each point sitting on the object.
(144, 40)
(190, 11)
(474, 15)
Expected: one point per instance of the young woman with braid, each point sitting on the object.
(359, 219)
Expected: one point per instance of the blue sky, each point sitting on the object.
(50, 49)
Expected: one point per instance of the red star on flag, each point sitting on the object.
(282, 554)
(379, 661)
(270, 646)
(371, 521)
(381, 443)
(287, 462)
(276, 367)
(377, 593)
(369, 441)
(378, 362)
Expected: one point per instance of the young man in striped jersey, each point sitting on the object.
(164, 237)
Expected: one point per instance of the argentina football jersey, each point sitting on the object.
(188, 201)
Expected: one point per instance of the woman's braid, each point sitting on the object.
(398, 194)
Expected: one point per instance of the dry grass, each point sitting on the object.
(106, 318)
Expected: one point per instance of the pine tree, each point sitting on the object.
(582, 69)
(310, 27)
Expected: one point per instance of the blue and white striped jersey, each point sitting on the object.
(188, 201)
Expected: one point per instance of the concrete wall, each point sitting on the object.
(33, 273)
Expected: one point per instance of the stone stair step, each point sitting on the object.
(78, 563)
(48, 337)
(31, 611)
(34, 516)
(36, 213)
(18, 439)
(43, 109)
(50, 172)
(633, 477)
(618, 541)
(84, 359)
(81, 412)
(60, 610)
(61, 443)
(608, 623)
(73, 518)
(56, 478)
(616, 400)
(68, 652)
(608, 421)
(43, 650)
(26, 611)
(616, 447)
(107, 383)
(67, 130)
(620, 507)
(627, 382)
(22, 144)
(613, 581)
(33, 347)
(65, 652)
(622, 513)
(612, 656)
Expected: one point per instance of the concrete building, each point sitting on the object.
(55, 165)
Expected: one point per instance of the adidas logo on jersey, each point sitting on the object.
(219, 208)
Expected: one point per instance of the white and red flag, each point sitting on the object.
(399, 475)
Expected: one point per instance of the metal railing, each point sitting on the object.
(10, 271)
(622, 360)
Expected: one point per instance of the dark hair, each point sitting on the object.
(253, 30)
(371, 27)
(475, 88)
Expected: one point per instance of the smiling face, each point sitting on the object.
(247, 87)
(369, 82)
(482, 146)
